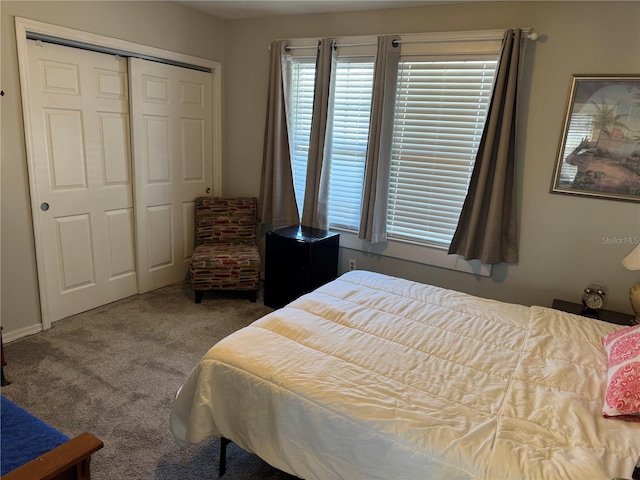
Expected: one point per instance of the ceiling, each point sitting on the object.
(236, 9)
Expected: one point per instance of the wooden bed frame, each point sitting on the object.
(69, 461)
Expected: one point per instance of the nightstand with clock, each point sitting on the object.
(592, 303)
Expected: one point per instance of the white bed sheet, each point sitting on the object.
(372, 376)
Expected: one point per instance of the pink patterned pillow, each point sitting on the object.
(622, 398)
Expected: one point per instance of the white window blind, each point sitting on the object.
(440, 112)
(303, 71)
(349, 132)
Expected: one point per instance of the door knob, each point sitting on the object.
(44, 206)
(208, 190)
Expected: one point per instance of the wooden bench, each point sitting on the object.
(47, 454)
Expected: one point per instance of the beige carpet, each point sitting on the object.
(114, 372)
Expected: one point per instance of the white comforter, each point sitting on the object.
(372, 376)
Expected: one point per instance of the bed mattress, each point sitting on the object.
(372, 376)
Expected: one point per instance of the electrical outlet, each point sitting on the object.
(352, 264)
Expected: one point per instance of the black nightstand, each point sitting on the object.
(604, 315)
(298, 260)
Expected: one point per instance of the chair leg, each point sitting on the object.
(199, 295)
(253, 295)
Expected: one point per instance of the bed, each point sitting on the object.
(372, 376)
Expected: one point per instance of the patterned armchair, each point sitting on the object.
(226, 256)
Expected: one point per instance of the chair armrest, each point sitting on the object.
(61, 461)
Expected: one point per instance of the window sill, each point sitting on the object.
(413, 252)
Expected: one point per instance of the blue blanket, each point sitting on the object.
(23, 437)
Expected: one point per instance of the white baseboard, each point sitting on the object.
(10, 336)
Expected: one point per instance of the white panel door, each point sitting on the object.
(82, 199)
(171, 113)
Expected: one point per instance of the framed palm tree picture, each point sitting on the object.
(599, 151)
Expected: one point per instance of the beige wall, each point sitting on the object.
(561, 246)
(561, 237)
(160, 24)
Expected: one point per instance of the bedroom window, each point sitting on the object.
(303, 71)
(440, 107)
(348, 131)
(348, 134)
(440, 111)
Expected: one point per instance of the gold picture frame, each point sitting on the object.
(599, 150)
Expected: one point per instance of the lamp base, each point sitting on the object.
(634, 298)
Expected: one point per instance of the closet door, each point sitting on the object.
(172, 150)
(80, 178)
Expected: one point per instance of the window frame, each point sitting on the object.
(434, 45)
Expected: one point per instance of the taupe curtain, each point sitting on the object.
(487, 227)
(316, 195)
(373, 218)
(277, 196)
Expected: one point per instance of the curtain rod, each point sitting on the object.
(529, 35)
(533, 36)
